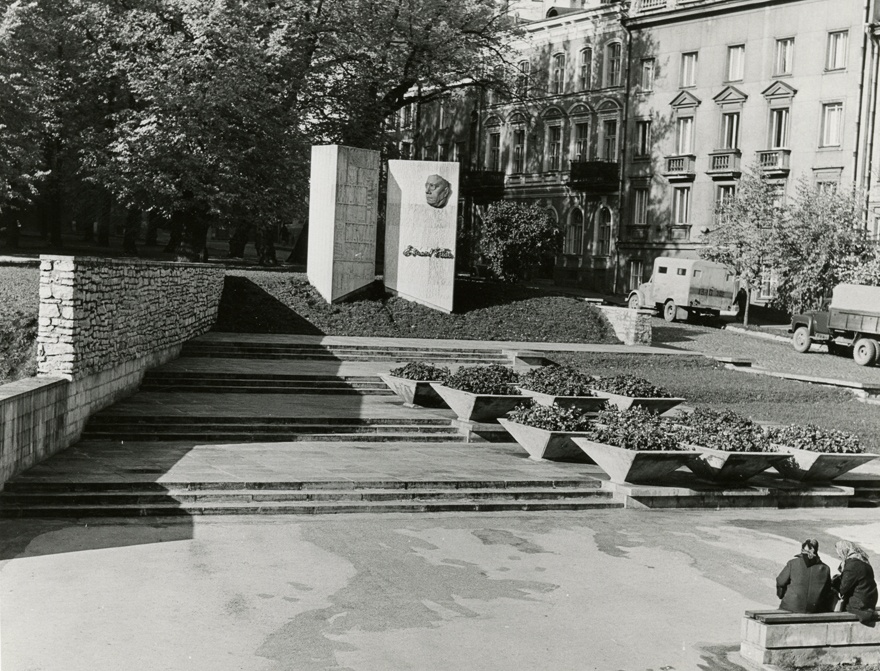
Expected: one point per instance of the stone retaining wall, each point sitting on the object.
(632, 327)
(103, 323)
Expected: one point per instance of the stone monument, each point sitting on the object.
(343, 206)
(421, 216)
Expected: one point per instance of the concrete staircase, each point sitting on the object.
(242, 383)
(126, 499)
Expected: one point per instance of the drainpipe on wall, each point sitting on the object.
(623, 154)
(861, 121)
(868, 158)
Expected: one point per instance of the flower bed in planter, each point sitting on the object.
(412, 383)
(546, 431)
(629, 391)
(816, 454)
(634, 445)
(732, 448)
(564, 386)
(481, 393)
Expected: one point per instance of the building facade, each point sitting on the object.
(632, 122)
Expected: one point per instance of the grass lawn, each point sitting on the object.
(19, 307)
(705, 382)
(273, 302)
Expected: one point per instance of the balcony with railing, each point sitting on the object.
(482, 185)
(774, 162)
(651, 6)
(724, 164)
(680, 167)
(598, 176)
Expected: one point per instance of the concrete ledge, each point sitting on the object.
(812, 379)
(482, 432)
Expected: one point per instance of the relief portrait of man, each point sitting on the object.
(437, 191)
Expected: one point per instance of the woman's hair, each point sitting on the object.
(810, 547)
(849, 550)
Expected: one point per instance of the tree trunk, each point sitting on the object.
(175, 228)
(194, 240)
(151, 235)
(300, 252)
(264, 242)
(105, 214)
(237, 242)
(130, 231)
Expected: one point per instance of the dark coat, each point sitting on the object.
(804, 585)
(858, 589)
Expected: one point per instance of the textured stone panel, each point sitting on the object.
(343, 210)
(420, 238)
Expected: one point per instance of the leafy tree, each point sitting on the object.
(864, 270)
(514, 237)
(747, 231)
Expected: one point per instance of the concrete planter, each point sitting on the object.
(809, 466)
(541, 443)
(721, 466)
(637, 466)
(414, 392)
(591, 404)
(477, 407)
(656, 405)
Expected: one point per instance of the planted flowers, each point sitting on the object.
(816, 439)
(421, 372)
(634, 429)
(550, 417)
(629, 385)
(722, 430)
(558, 381)
(493, 379)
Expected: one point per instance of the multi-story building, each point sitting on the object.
(630, 126)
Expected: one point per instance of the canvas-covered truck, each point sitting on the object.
(681, 287)
(851, 320)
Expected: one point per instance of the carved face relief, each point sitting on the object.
(437, 191)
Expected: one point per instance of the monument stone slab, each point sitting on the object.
(421, 218)
(343, 208)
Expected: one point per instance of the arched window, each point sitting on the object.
(574, 233)
(557, 75)
(603, 234)
(585, 69)
(612, 64)
(522, 79)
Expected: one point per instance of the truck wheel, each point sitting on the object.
(633, 302)
(670, 310)
(864, 351)
(800, 339)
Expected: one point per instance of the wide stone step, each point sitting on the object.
(249, 437)
(267, 389)
(110, 418)
(344, 357)
(230, 378)
(196, 427)
(340, 348)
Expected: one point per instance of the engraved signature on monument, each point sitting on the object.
(437, 252)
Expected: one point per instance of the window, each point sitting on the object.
(495, 151)
(458, 152)
(835, 56)
(643, 137)
(681, 272)
(769, 281)
(640, 207)
(688, 69)
(604, 246)
(407, 116)
(441, 114)
(557, 78)
(519, 150)
(646, 78)
(736, 57)
(684, 135)
(554, 147)
(681, 205)
(581, 142)
(832, 117)
(724, 196)
(442, 152)
(784, 55)
(574, 234)
(609, 139)
(522, 79)
(661, 270)
(778, 127)
(730, 130)
(612, 64)
(406, 150)
(585, 74)
(635, 274)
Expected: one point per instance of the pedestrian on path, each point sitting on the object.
(855, 583)
(804, 585)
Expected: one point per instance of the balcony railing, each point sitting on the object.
(774, 161)
(603, 176)
(680, 167)
(724, 163)
(648, 6)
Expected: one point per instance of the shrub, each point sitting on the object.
(722, 430)
(421, 372)
(514, 238)
(633, 429)
(816, 439)
(558, 381)
(551, 417)
(629, 385)
(492, 379)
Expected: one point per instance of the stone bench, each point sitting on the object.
(778, 637)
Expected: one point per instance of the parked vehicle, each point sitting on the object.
(851, 320)
(679, 287)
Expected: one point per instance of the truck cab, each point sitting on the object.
(681, 287)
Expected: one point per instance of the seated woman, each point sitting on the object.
(856, 584)
(804, 585)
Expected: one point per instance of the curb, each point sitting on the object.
(755, 334)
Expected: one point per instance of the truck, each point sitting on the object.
(679, 288)
(852, 319)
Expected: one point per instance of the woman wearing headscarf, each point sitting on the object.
(804, 585)
(856, 584)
